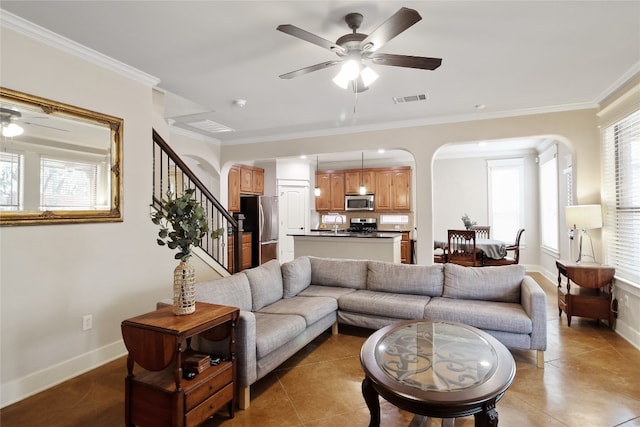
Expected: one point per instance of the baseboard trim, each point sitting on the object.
(21, 388)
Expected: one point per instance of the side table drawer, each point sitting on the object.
(209, 406)
(203, 391)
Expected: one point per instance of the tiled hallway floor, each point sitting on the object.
(591, 378)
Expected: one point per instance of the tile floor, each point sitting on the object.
(591, 379)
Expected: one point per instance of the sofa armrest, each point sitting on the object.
(534, 302)
(246, 349)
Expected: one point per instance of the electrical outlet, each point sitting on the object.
(626, 301)
(87, 322)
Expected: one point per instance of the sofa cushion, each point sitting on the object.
(275, 330)
(233, 290)
(334, 292)
(311, 308)
(346, 273)
(500, 283)
(296, 276)
(489, 315)
(398, 306)
(266, 284)
(405, 278)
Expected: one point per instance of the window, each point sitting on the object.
(506, 198)
(548, 173)
(621, 195)
(68, 185)
(10, 181)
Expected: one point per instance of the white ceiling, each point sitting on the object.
(513, 57)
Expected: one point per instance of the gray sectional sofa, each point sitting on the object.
(284, 307)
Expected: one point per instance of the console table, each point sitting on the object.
(591, 297)
(158, 342)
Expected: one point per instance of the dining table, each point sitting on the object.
(490, 248)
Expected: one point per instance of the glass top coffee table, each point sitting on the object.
(436, 369)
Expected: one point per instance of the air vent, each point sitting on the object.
(210, 126)
(412, 98)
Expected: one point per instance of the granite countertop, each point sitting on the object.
(329, 233)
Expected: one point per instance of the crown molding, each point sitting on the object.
(29, 29)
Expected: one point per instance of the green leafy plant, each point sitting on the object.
(467, 222)
(183, 224)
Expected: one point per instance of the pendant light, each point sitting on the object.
(316, 191)
(363, 189)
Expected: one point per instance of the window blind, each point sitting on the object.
(621, 196)
(67, 185)
(10, 181)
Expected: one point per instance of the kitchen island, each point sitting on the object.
(379, 246)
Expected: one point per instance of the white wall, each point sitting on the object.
(460, 186)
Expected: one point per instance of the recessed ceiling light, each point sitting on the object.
(480, 106)
(381, 150)
(303, 157)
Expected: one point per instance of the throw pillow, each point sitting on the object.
(296, 276)
(266, 284)
(405, 278)
(501, 283)
(345, 273)
(233, 290)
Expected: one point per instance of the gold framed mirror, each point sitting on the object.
(58, 163)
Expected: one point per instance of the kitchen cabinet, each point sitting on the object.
(246, 252)
(352, 181)
(234, 189)
(393, 189)
(251, 180)
(405, 248)
(244, 179)
(331, 196)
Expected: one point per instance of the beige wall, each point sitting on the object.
(575, 128)
(50, 276)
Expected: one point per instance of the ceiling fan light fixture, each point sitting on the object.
(368, 76)
(341, 81)
(11, 130)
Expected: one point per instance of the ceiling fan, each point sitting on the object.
(355, 48)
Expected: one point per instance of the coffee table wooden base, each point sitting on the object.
(436, 369)
(485, 413)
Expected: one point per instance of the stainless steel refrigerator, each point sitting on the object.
(261, 219)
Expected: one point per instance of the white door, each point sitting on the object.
(294, 213)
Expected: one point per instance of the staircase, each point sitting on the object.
(171, 174)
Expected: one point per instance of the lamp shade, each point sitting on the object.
(583, 217)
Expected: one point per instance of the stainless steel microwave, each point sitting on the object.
(359, 203)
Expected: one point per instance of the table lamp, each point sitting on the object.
(584, 217)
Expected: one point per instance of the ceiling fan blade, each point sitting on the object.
(420, 62)
(294, 31)
(397, 23)
(309, 69)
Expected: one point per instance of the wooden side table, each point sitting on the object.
(591, 297)
(157, 342)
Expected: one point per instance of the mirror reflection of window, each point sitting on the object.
(10, 181)
(64, 165)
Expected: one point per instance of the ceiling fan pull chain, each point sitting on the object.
(355, 100)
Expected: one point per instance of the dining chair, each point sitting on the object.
(462, 248)
(507, 260)
(482, 231)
